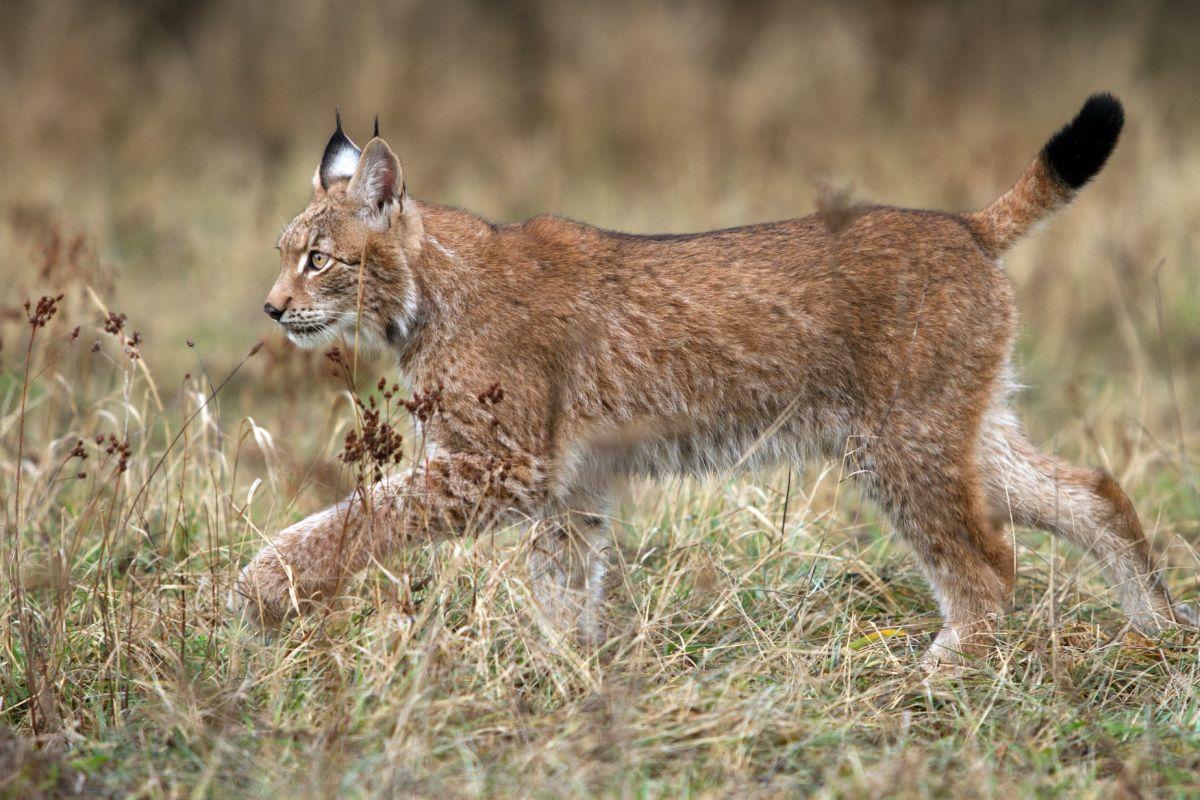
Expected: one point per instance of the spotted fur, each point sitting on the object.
(876, 335)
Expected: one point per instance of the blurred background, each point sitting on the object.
(169, 141)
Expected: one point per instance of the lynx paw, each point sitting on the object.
(1185, 614)
(263, 592)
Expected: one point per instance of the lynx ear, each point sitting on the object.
(340, 158)
(378, 182)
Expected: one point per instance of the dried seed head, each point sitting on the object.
(43, 312)
(133, 346)
(377, 445)
(114, 323)
(424, 405)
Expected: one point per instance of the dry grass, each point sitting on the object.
(150, 157)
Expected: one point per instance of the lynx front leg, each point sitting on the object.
(569, 564)
(307, 563)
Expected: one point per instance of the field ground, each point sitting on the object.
(768, 636)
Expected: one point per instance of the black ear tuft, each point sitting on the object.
(376, 133)
(340, 158)
(1077, 152)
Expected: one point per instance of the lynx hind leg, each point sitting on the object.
(569, 561)
(1084, 506)
(937, 508)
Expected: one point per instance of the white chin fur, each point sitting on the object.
(309, 340)
(367, 339)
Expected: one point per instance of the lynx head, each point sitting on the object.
(349, 251)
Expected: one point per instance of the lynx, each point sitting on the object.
(873, 334)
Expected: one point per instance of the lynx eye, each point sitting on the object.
(318, 261)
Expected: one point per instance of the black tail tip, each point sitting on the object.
(1077, 152)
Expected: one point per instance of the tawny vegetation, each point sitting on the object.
(877, 335)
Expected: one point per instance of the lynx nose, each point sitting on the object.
(273, 312)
